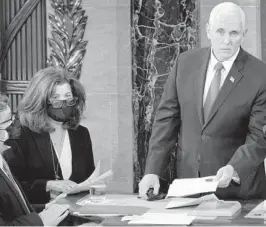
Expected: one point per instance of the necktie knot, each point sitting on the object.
(218, 66)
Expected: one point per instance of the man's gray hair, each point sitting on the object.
(227, 6)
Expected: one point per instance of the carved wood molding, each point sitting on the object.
(68, 27)
(14, 27)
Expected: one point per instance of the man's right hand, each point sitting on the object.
(149, 181)
(54, 214)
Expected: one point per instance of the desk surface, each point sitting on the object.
(158, 206)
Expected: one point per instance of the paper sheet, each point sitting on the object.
(93, 179)
(192, 186)
(258, 212)
(183, 202)
(164, 219)
(85, 185)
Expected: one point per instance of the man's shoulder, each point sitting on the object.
(253, 63)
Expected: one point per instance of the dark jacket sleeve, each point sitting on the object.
(251, 155)
(32, 219)
(35, 189)
(166, 126)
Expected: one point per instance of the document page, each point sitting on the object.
(192, 186)
(93, 179)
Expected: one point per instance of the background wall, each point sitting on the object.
(252, 42)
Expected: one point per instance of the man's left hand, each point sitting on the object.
(224, 176)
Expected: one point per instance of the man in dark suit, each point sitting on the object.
(214, 106)
(14, 206)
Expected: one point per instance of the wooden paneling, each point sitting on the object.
(23, 46)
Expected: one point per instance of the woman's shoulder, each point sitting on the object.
(82, 129)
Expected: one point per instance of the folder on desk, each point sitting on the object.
(109, 210)
(259, 212)
(217, 208)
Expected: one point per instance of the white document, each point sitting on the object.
(162, 218)
(184, 202)
(258, 212)
(93, 179)
(192, 186)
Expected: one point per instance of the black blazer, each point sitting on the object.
(12, 208)
(31, 161)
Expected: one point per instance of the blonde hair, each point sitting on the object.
(32, 109)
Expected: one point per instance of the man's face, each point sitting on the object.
(5, 121)
(226, 33)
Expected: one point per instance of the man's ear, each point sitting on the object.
(245, 32)
(208, 31)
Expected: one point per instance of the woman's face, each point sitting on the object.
(61, 92)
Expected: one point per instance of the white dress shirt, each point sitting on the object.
(211, 72)
(65, 159)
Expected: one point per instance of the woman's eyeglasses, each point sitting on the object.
(59, 103)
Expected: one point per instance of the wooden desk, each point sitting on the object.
(158, 206)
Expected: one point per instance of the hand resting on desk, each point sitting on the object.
(147, 182)
(54, 214)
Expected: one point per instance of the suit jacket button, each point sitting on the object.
(204, 137)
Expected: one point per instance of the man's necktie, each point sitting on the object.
(213, 90)
(11, 178)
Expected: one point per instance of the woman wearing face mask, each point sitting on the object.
(53, 152)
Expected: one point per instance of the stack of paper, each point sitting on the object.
(184, 202)
(192, 186)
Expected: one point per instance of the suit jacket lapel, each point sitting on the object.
(43, 144)
(231, 81)
(199, 82)
(75, 147)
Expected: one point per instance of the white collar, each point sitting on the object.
(227, 64)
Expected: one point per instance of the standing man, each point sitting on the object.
(214, 106)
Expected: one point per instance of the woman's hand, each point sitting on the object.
(54, 214)
(60, 185)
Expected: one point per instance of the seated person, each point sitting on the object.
(14, 206)
(53, 152)
(5, 121)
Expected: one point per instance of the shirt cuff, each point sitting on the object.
(236, 177)
(4, 136)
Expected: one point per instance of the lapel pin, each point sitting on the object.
(232, 79)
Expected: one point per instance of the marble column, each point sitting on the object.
(161, 30)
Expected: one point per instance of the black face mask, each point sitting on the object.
(62, 114)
